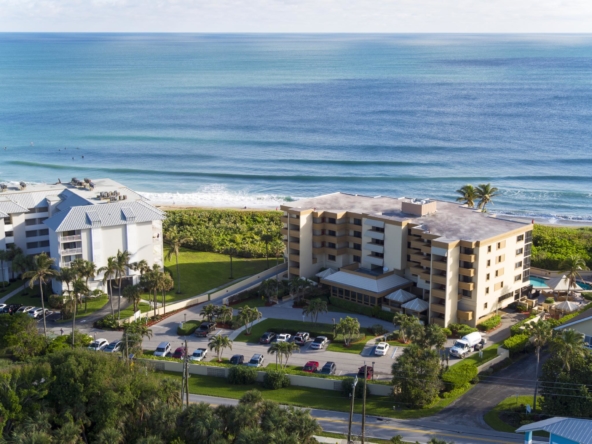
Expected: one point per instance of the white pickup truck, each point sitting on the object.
(198, 355)
(465, 345)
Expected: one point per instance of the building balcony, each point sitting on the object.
(425, 276)
(295, 257)
(426, 249)
(416, 270)
(71, 251)
(374, 234)
(284, 219)
(294, 228)
(417, 244)
(375, 260)
(417, 257)
(438, 265)
(284, 231)
(467, 271)
(295, 270)
(438, 293)
(9, 239)
(438, 279)
(426, 263)
(464, 315)
(294, 245)
(438, 308)
(354, 252)
(467, 257)
(73, 238)
(374, 247)
(353, 239)
(437, 321)
(466, 286)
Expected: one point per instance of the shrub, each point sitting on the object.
(393, 336)
(447, 332)
(276, 380)
(516, 328)
(549, 301)
(517, 343)
(490, 324)
(378, 329)
(570, 316)
(346, 387)
(461, 329)
(109, 322)
(521, 307)
(242, 375)
(459, 376)
(188, 327)
(56, 301)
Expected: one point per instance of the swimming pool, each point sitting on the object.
(584, 286)
(538, 282)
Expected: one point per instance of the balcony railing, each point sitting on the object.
(71, 251)
(75, 237)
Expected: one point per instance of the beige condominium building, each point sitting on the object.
(437, 260)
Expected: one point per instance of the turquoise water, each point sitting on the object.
(537, 282)
(584, 285)
(258, 119)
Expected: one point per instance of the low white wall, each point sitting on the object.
(502, 354)
(171, 307)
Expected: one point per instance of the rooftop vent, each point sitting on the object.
(3, 187)
(419, 207)
(23, 185)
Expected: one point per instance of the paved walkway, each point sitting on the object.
(11, 294)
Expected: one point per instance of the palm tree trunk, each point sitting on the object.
(536, 382)
(74, 318)
(111, 298)
(2, 265)
(43, 308)
(178, 275)
(267, 255)
(163, 304)
(119, 299)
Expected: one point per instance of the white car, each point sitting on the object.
(98, 344)
(319, 342)
(24, 309)
(256, 361)
(114, 347)
(163, 349)
(198, 355)
(283, 337)
(2, 307)
(38, 312)
(381, 349)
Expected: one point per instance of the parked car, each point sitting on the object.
(163, 349)
(38, 313)
(369, 373)
(301, 338)
(98, 344)
(237, 359)
(2, 307)
(12, 308)
(198, 355)
(25, 309)
(283, 337)
(329, 368)
(381, 349)
(205, 329)
(311, 367)
(256, 361)
(179, 353)
(465, 345)
(319, 343)
(32, 311)
(267, 337)
(113, 347)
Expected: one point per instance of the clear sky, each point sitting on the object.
(368, 16)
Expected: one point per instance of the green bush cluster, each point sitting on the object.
(276, 380)
(521, 307)
(516, 328)
(447, 332)
(459, 376)
(346, 387)
(109, 322)
(490, 324)
(552, 245)
(461, 329)
(570, 316)
(242, 375)
(517, 343)
(220, 231)
(549, 301)
(587, 296)
(188, 328)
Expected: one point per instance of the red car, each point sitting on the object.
(369, 372)
(179, 353)
(311, 367)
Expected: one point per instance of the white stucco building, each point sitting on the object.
(90, 219)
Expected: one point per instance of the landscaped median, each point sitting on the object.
(510, 414)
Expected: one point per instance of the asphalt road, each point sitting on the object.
(386, 428)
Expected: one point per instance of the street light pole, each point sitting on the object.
(351, 412)
(364, 400)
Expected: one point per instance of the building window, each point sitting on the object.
(358, 234)
(519, 251)
(44, 232)
(528, 250)
(489, 262)
(528, 237)
(331, 245)
(9, 233)
(489, 248)
(506, 296)
(331, 257)
(486, 290)
(357, 221)
(332, 233)
(7, 221)
(377, 242)
(332, 220)
(518, 264)
(44, 243)
(520, 238)
(380, 255)
(497, 273)
(357, 246)
(378, 229)
(517, 277)
(32, 244)
(526, 276)
(357, 259)
(31, 233)
(485, 305)
(499, 245)
(487, 276)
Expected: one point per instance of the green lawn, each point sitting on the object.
(255, 302)
(10, 287)
(27, 296)
(493, 419)
(355, 347)
(201, 271)
(129, 311)
(343, 437)
(93, 306)
(308, 397)
(289, 326)
(488, 354)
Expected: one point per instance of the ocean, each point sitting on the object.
(258, 120)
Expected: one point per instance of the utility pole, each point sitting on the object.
(186, 375)
(351, 412)
(364, 401)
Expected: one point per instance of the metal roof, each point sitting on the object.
(29, 200)
(10, 207)
(578, 430)
(561, 284)
(401, 296)
(379, 285)
(326, 273)
(105, 215)
(417, 305)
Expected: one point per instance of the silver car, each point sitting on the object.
(113, 347)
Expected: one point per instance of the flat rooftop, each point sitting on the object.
(451, 221)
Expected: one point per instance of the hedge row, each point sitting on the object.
(517, 343)
(461, 329)
(490, 324)
(516, 328)
(459, 376)
(275, 380)
(373, 312)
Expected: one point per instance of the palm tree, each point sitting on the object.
(467, 195)
(269, 288)
(540, 333)
(405, 323)
(174, 240)
(23, 264)
(266, 237)
(109, 272)
(485, 193)
(42, 273)
(209, 312)
(87, 270)
(122, 262)
(283, 351)
(3, 258)
(12, 253)
(573, 265)
(150, 282)
(568, 345)
(348, 327)
(78, 289)
(141, 266)
(165, 283)
(66, 276)
(248, 316)
(219, 343)
(133, 334)
(133, 293)
(314, 308)
(224, 314)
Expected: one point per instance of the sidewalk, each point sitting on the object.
(11, 294)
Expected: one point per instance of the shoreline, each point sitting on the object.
(551, 222)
